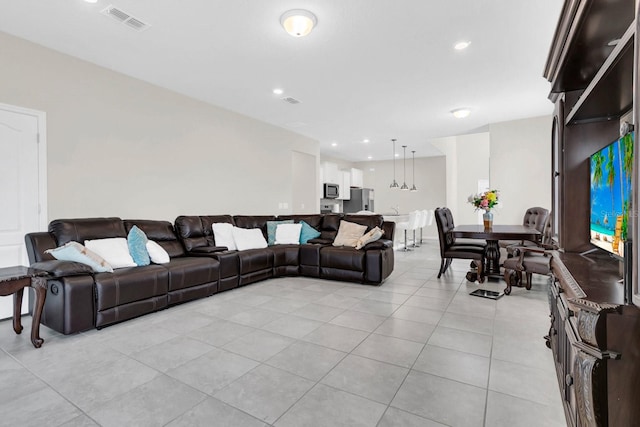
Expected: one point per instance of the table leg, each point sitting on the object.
(492, 255)
(17, 309)
(40, 286)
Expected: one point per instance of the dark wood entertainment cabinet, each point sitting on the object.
(594, 335)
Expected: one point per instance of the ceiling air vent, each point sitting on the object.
(290, 100)
(124, 18)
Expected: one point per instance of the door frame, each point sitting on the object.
(41, 118)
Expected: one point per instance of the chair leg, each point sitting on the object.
(406, 245)
(415, 242)
(442, 267)
(420, 235)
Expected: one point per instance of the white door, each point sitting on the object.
(22, 187)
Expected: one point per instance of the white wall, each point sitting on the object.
(120, 147)
(521, 166)
(430, 181)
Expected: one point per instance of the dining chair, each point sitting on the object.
(529, 259)
(535, 217)
(450, 249)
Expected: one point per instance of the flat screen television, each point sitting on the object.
(610, 171)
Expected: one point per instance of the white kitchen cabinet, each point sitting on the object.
(330, 173)
(357, 178)
(345, 185)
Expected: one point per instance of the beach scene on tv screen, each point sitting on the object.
(611, 194)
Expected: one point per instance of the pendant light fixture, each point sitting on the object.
(404, 157)
(394, 185)
(413, 187)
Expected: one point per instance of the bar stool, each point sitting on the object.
(410, 224)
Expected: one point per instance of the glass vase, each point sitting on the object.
(487, 219)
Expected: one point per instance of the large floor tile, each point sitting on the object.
(148, 405)
(265, 392)
(259, 345)
(255, 317)
(368, 378)
(327, 407)
(322, 313)
(292, 326)
(417, 314)
(442, 400)
(406, 329)
(394, 417)
(533, 353)
(338, 301)
(213, 371)
(389, 349)
(524, 382)
(468, 342)
(215, 412)
(464, 367)
(307, 360)
(357, 320)
(389, 297)
(428, 303)
(506, 411)
(221, 332)
(283, 305)
(464, 322)
(375, 307)
(173, 353)
(39, 408)
(336, 337)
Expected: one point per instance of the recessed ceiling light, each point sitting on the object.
(278, 91)
(91, 1)
(461, 45)
(369, 157)
(461, 113)
(372, 169)
(397, 155)
(366, 141)
(334, 144)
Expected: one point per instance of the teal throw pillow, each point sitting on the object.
(271, 230)
(307, 233)
(137, 242)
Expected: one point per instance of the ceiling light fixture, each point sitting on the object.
(91, 1)
(404, 181)
(461, 113)
(334, 144)
(369, 157)
(278, 91)
(461, 45)
(298, 22)
(413, 187)
(366, 141)
(394, 185)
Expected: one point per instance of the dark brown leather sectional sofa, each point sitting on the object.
(78, 301)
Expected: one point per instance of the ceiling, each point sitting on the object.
(371, 69)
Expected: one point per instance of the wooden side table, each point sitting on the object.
(13, 280)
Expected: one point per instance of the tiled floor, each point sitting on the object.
(416, 351)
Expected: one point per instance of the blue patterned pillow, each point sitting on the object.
(137, 242)
(271, 230)
(74, 251)
(307, 233)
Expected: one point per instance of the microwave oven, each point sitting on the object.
(331, 191)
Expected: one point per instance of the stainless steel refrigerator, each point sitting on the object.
(361, 200)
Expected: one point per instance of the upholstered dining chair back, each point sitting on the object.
(536, 217)
(444, 222)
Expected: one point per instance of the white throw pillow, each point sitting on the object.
(248, 238)
(288, 234)
(349, 233)
(157, 253)
(114, 250)
(373, 235)
(223, 235)
(74, 251)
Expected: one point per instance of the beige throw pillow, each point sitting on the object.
(349, 233)
(373, 235)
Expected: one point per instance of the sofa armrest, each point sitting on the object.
(378, 244)
(57, 268)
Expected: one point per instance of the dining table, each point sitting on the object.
(492, 236)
